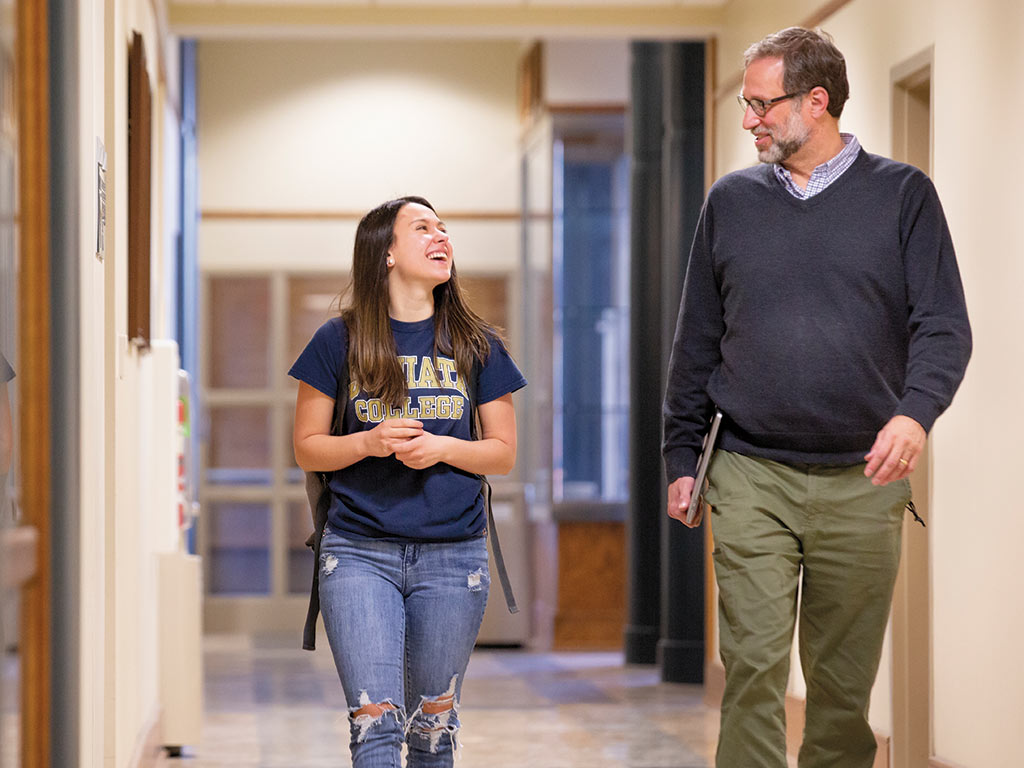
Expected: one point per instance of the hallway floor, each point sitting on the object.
(270, 705)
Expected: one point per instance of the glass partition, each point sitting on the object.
(590, 276)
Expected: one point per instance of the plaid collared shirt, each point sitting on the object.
(825, 173)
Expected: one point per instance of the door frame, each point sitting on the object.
(35, 632)
(912, 742)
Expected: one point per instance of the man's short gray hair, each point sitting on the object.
(809, 59)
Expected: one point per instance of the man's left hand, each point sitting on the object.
(896, 449)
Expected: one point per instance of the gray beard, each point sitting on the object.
(782, 149)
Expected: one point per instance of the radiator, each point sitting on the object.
(181, 656)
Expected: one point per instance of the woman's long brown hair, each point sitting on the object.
(372, 357)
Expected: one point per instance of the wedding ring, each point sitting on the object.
(904, 462)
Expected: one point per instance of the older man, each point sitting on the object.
(823, 314)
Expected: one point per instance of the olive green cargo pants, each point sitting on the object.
(769, 521)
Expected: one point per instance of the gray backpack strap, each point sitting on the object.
(499, 560)
(492, 529)
(318, 491)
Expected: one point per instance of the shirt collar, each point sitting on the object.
(824, 174)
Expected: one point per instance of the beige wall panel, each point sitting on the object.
(259, 245)
(318, 246)
(92, 404)
(346, 125)
(746, 21)
(977, 567)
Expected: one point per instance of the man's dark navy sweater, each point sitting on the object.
(811, 323)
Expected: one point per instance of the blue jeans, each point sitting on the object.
(402, 620)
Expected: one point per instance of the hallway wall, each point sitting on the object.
(336, 127)
(974, 528)
(117, 688)
(416, 108)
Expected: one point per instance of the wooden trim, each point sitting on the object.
(530, 82)
(140, 160)
(18, 547)
(912, 690)
(34, 373)
(595, 108)
(459, 19)
(341, 215)
(731, 86)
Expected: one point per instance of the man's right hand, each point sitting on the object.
(679, 493)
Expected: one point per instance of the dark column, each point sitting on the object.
(681, 647)
(65, 254)
(646, 474)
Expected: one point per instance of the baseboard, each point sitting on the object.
(147, 753)
(938, 762)
(714, 687)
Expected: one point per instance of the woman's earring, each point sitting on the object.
(391, 261)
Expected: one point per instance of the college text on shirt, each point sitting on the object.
(420, 373)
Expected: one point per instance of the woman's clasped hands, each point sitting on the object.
(406, 439)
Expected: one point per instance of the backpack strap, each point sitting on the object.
(492, 529)
(318, 492)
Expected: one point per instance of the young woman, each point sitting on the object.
(403, 560)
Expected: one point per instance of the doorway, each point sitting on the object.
(911, 612)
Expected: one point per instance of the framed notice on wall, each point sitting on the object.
(139, 183)
(101, 200)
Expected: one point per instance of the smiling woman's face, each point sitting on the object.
(421, 250)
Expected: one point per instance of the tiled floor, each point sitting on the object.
(268, 705)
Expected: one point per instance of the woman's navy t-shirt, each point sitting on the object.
(381, 498)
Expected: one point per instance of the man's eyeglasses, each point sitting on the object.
(760, 106)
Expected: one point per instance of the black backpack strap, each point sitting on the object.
(492, 529)
(318, 492)
(499, 560)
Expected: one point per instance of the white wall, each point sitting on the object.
(340, 126)
(976, 526)
(92, 594)
(118, 695)
(977, 567)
